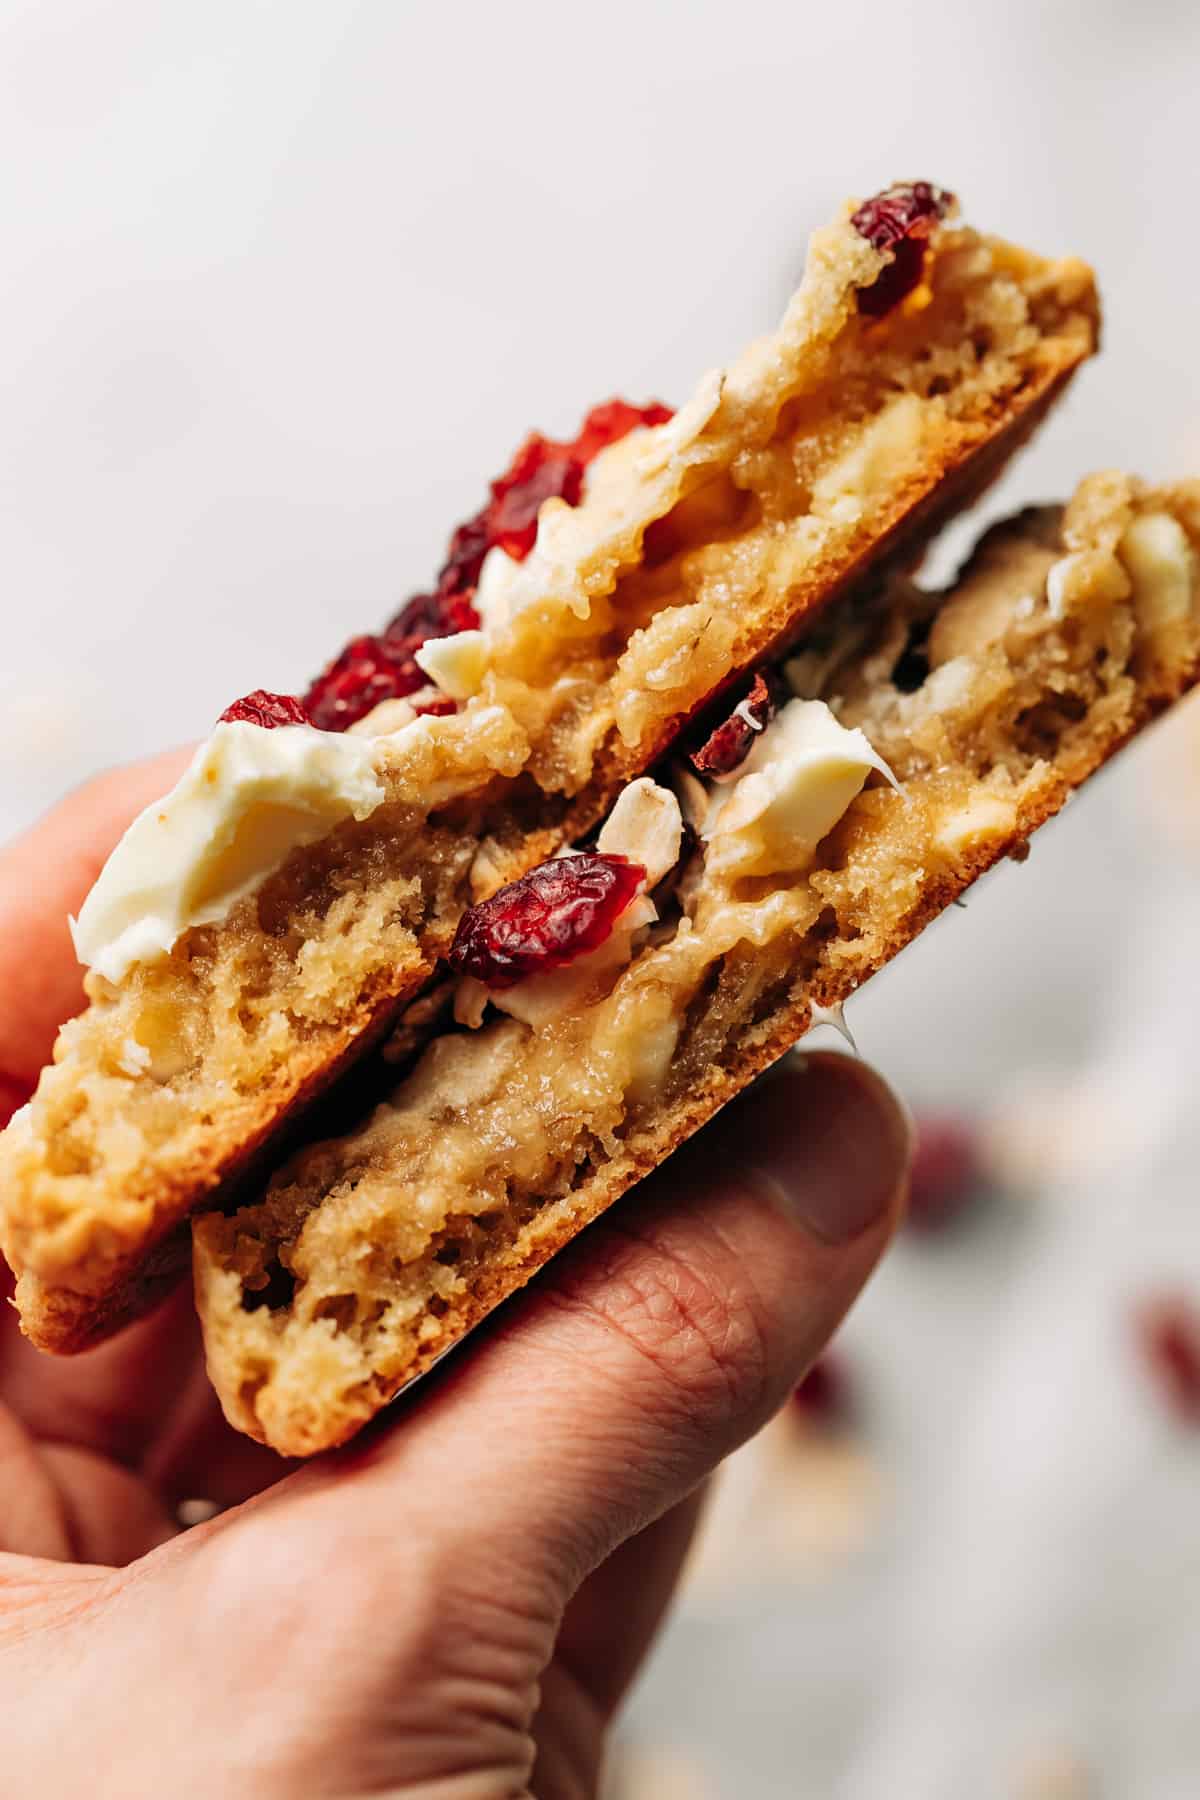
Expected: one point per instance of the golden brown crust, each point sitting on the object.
(78, 1220)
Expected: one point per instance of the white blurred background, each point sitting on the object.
(285, 283)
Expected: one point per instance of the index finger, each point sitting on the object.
(44, 875)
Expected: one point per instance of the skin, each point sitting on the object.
(454, 1605)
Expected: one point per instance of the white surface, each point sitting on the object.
(284, 285)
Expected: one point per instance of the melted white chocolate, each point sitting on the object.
(801, 774)
(248, 797)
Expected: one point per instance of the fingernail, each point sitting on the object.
(831, 1140)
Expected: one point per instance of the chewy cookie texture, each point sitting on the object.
(370, 1255)
(914, 357)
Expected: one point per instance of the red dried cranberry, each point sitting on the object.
(267, 710)
(557, 912)
(613, 420)
(899, 220)
(459, 574)
(418, 618)
(539, 471)
(436, 706)
(364, 674)
(730, 743)
(1168, 1329)
(824, 1393)
(423, 617)
(543, 468)
(945, 1172)
(371, 669)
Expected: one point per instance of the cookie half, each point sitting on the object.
(918, 738)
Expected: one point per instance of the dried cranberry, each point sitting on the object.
(1168, 1329)
(371, 669)
(730, 743)
(364, 674)
(419, 618)
(557, 912)
(436, 706)
(539, 471)
(613, 420)
(459, 574)
(824, 1393)
(423, 617)
(945, 1172)
(267, 710)
(899, 220)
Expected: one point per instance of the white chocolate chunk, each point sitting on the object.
(135, 1058)
(470, 1002)
(985, 816)
(456, 664)
(1161, 564)
(796, 783)
(880, 453)
(1059, 578)
(382, 720)
(493, 593)
(646, 826)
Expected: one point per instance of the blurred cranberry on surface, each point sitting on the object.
(945, 1174)
(824, 1396)
(1167, 1327)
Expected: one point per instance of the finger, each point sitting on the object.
(44, 875)
(115, 1399)
(33, 1520)
(112, 1516)
(616, 1615)
(199, 1456)
(660, 1342)
(143, 1401)
(69, 1505)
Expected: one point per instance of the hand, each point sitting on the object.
(453, 1606)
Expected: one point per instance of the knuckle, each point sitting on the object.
(693, 1319)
